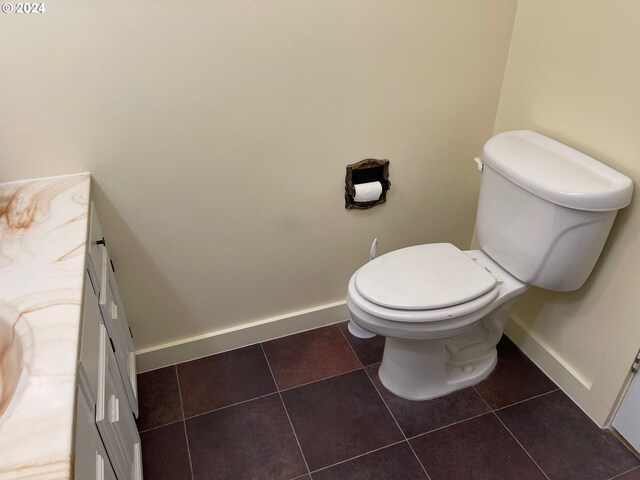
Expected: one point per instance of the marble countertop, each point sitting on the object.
(43, 235)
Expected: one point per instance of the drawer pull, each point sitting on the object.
(102, 241)
(114, 409)
(99, 467)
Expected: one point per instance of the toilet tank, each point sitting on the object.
(545, 210)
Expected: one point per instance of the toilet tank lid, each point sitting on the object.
(557, 173)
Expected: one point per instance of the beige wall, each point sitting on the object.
(574, 74)
(218, 133)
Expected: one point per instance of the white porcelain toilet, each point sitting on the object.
(544, 213)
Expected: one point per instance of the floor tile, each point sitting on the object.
(339, 418)
(223, 379)
(164, 453)
(480, 448)
(368, 350)
(632, 475)
(308, 356)
(514, 379)
(253, 440)
(391, 463)
(564, 441)
(416, 417)
(158, 398)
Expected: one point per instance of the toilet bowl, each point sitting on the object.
(544, 213)
(456, 342)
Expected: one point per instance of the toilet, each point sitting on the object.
(544, 213)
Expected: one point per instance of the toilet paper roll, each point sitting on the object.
(367, 192)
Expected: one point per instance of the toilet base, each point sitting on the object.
(414, 369)
(424, 369)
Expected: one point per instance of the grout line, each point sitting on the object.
(416, 455)
(637, 467)
(318, 380)
(360, 455)
(482, 398)
(160, 426)
(450, 425)
(295, 435)
(521, 446)
(184, 422)
(398, 425)
(387, 406)
(512, 435)
(351, 347)
(519, 402)
(231, 405)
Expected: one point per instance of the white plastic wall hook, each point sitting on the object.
(479, 163)
(374, 249)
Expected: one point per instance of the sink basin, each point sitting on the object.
(13, 358)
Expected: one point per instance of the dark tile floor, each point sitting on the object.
(310, 406)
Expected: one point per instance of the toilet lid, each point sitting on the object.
(423, 277)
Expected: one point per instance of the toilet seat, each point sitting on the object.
(424, 283)
(420, 316)
(423, 277)
(436, 323)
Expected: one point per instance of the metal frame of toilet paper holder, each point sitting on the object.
(367, 170)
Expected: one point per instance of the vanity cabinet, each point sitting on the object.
(101, 269)
(107, 440)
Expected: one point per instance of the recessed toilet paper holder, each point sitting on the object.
(365, 171)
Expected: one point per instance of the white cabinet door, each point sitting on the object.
(90, 345)
(119, 331)
(627, 419)
(91, 460)
(113, 416)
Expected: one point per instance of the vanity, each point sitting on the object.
(68, 396)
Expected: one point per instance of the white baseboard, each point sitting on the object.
(222, 340)
(534, 346)
(570, 380)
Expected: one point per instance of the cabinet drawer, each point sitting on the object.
(113, 416)
(90, 345)
(127, 357)
(118, 329)
(96, 244)
(91, 459)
